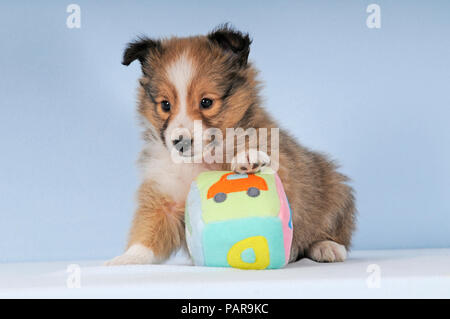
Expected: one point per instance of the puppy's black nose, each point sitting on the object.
(182, 143)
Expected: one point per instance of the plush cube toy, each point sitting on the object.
(238, 220)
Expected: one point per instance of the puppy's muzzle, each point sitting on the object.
(182, 144)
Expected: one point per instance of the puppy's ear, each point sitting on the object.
(233, 41)
(140, 49)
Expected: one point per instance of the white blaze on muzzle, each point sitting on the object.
(180, 74)
(180, 131)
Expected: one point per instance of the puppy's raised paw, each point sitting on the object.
(250, 162)
(327, 251)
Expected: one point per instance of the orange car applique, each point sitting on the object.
(231, 183)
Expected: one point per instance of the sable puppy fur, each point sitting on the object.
(180, 77)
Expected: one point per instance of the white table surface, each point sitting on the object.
(421, 273)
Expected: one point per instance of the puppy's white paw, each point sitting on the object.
(135, 255)
(250, 162)
(327, 251)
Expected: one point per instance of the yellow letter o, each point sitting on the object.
(259, 245)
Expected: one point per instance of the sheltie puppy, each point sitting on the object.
(209, 79)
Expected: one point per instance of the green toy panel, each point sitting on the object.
(237, 204)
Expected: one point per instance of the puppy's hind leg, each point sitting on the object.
(157, 229)
(326, 251)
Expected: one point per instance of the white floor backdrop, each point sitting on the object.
(374, 274)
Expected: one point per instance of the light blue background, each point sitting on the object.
(377, 100)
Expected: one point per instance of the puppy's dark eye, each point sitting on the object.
(165, 105)
(206, 103)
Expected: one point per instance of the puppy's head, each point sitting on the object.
(205, 78)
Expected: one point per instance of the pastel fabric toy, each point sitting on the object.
(238, 220)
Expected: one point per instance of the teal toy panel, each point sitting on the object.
(219, 239)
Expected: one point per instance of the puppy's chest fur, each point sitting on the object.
(168, 177)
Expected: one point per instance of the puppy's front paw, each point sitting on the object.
(250, 162)
(327, 251)
(135, 255)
